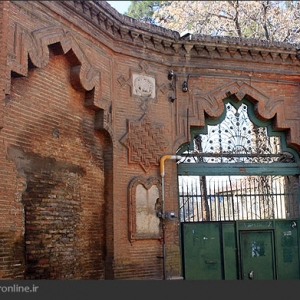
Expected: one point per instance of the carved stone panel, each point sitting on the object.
(143, 86)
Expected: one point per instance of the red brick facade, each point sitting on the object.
(87, 112)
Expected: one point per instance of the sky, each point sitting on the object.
(120, 6)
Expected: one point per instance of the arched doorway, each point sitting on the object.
(239, 199)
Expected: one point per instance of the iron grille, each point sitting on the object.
(220, 198)
(238, 140)
(243, 142)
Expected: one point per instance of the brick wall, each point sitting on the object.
(77, 128)
(58, 157)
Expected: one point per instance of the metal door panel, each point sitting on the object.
(202, 251)
(287, 253)
(229, 250)
(257, 255)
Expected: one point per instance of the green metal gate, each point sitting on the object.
(209, 250)
(239, 199)
(241, 250)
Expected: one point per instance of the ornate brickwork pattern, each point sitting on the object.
(145, 142)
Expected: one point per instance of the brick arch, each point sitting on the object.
(211, 105)
(32, 50)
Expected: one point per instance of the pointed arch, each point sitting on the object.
(211, 105)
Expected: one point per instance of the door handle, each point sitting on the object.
(250, 275)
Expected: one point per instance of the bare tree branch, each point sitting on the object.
(265, 20)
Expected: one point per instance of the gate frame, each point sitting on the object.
(240, 169)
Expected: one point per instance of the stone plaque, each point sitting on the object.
(143, 86)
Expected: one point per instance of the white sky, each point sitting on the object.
(120, 6)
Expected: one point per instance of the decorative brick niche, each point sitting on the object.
(144, 203)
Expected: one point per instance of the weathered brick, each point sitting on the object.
(74, 133)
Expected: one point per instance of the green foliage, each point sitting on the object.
(143, 10)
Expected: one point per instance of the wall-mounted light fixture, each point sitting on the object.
(185, 87)
(170, 74)
(172, 88)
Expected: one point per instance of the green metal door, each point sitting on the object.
(257, 255)
(257, 250)
(202, 255)
(287, 250)
(209, 250)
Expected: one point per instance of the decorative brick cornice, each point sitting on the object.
(238, 48)
(165, 41)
